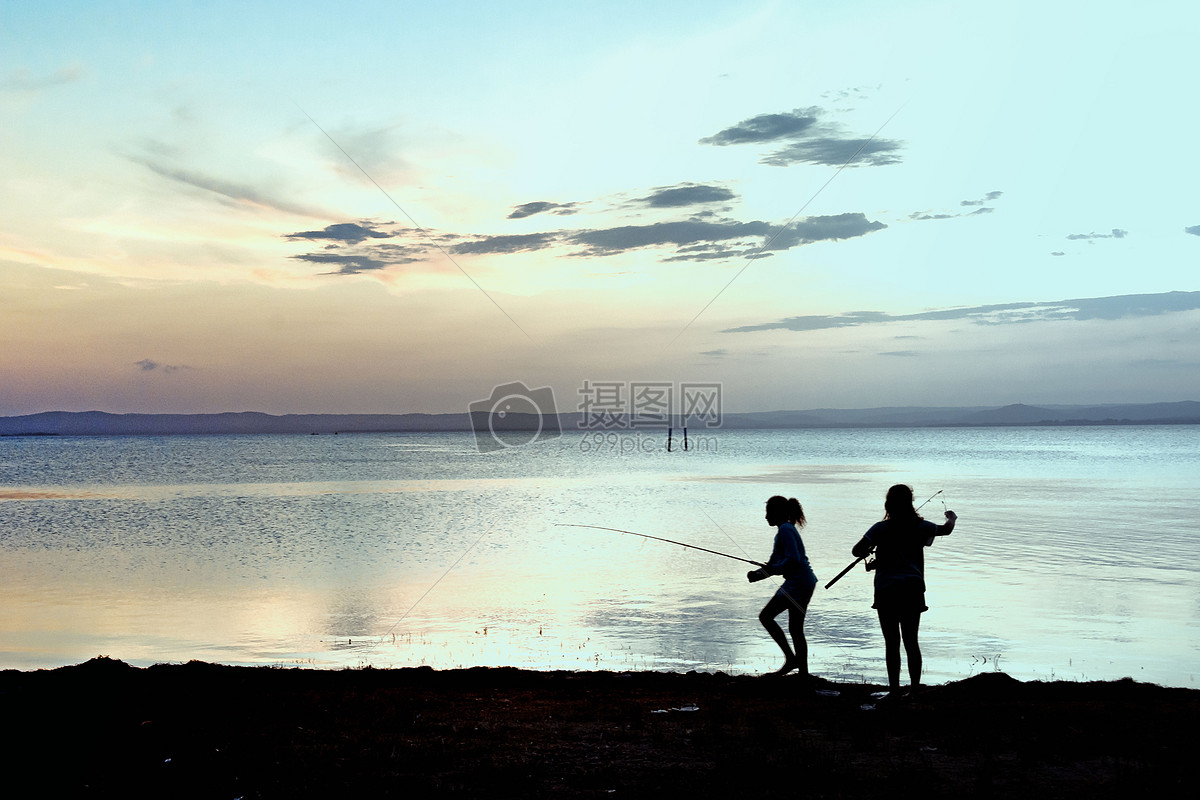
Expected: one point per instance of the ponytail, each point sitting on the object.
(789, 508)
(796, 512)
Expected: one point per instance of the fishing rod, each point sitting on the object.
(660, 539)
(854, 563)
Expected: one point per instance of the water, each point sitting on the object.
(1075, 556)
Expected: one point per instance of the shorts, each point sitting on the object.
(796, 591)
(899, 598)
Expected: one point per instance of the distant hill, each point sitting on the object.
(99, 423)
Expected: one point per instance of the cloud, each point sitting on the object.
(511, 243)
(810, 141)
(977, 204)
(687, 194)
(347, 232)
(1194, 230)
(237, 192)
(377, 151)
(825, 229)
(149, 365)
(22, 80)
(701, 238)
(606, 241)
(1117, 233)
(987, 198)
(540, 206)
(1093, 308)
(346, 264)
(767, 128)
(836, 152)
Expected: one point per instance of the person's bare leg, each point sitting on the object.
(910, 624)
(772, 609)
(796, 628)
(890, 625)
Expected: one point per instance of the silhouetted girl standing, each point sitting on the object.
(899, 542)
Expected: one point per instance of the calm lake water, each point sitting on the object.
(1077, 553)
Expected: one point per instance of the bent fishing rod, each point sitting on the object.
(854, 563)
(660, 539)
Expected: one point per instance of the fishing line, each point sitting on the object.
(843, 648)
(774, 579)
(753, 256)
(427, 591)
(659, 539)
(423, 232)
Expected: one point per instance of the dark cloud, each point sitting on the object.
(810, 140)
(513, 243)
(987, 198)
(346, 264)
(699, 240)
(836, 152)
(150, 365)
(687, 194)
(1105, 308)
(229, 190)
(631, 237)
(709, 251)
(540, 206)
(767, 128)
(346, 232)
(1117, 233)
(702, 238)
(825, 229)
(1194, 230)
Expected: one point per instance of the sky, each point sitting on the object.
(397, 207)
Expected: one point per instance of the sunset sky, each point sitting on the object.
(393, 207)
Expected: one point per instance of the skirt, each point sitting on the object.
(906, 596)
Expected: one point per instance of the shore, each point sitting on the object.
(106, 729)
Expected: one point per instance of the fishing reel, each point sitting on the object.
(870, 562)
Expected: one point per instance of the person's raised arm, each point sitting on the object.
(945, 528)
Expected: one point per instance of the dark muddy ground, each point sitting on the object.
(105, 729)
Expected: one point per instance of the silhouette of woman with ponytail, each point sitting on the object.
(789, 560)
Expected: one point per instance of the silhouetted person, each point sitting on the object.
(789, 560)
(899, 542)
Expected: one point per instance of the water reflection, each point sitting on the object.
(1075, 557)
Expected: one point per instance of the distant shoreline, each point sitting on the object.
(832, 426)
(99, 423)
